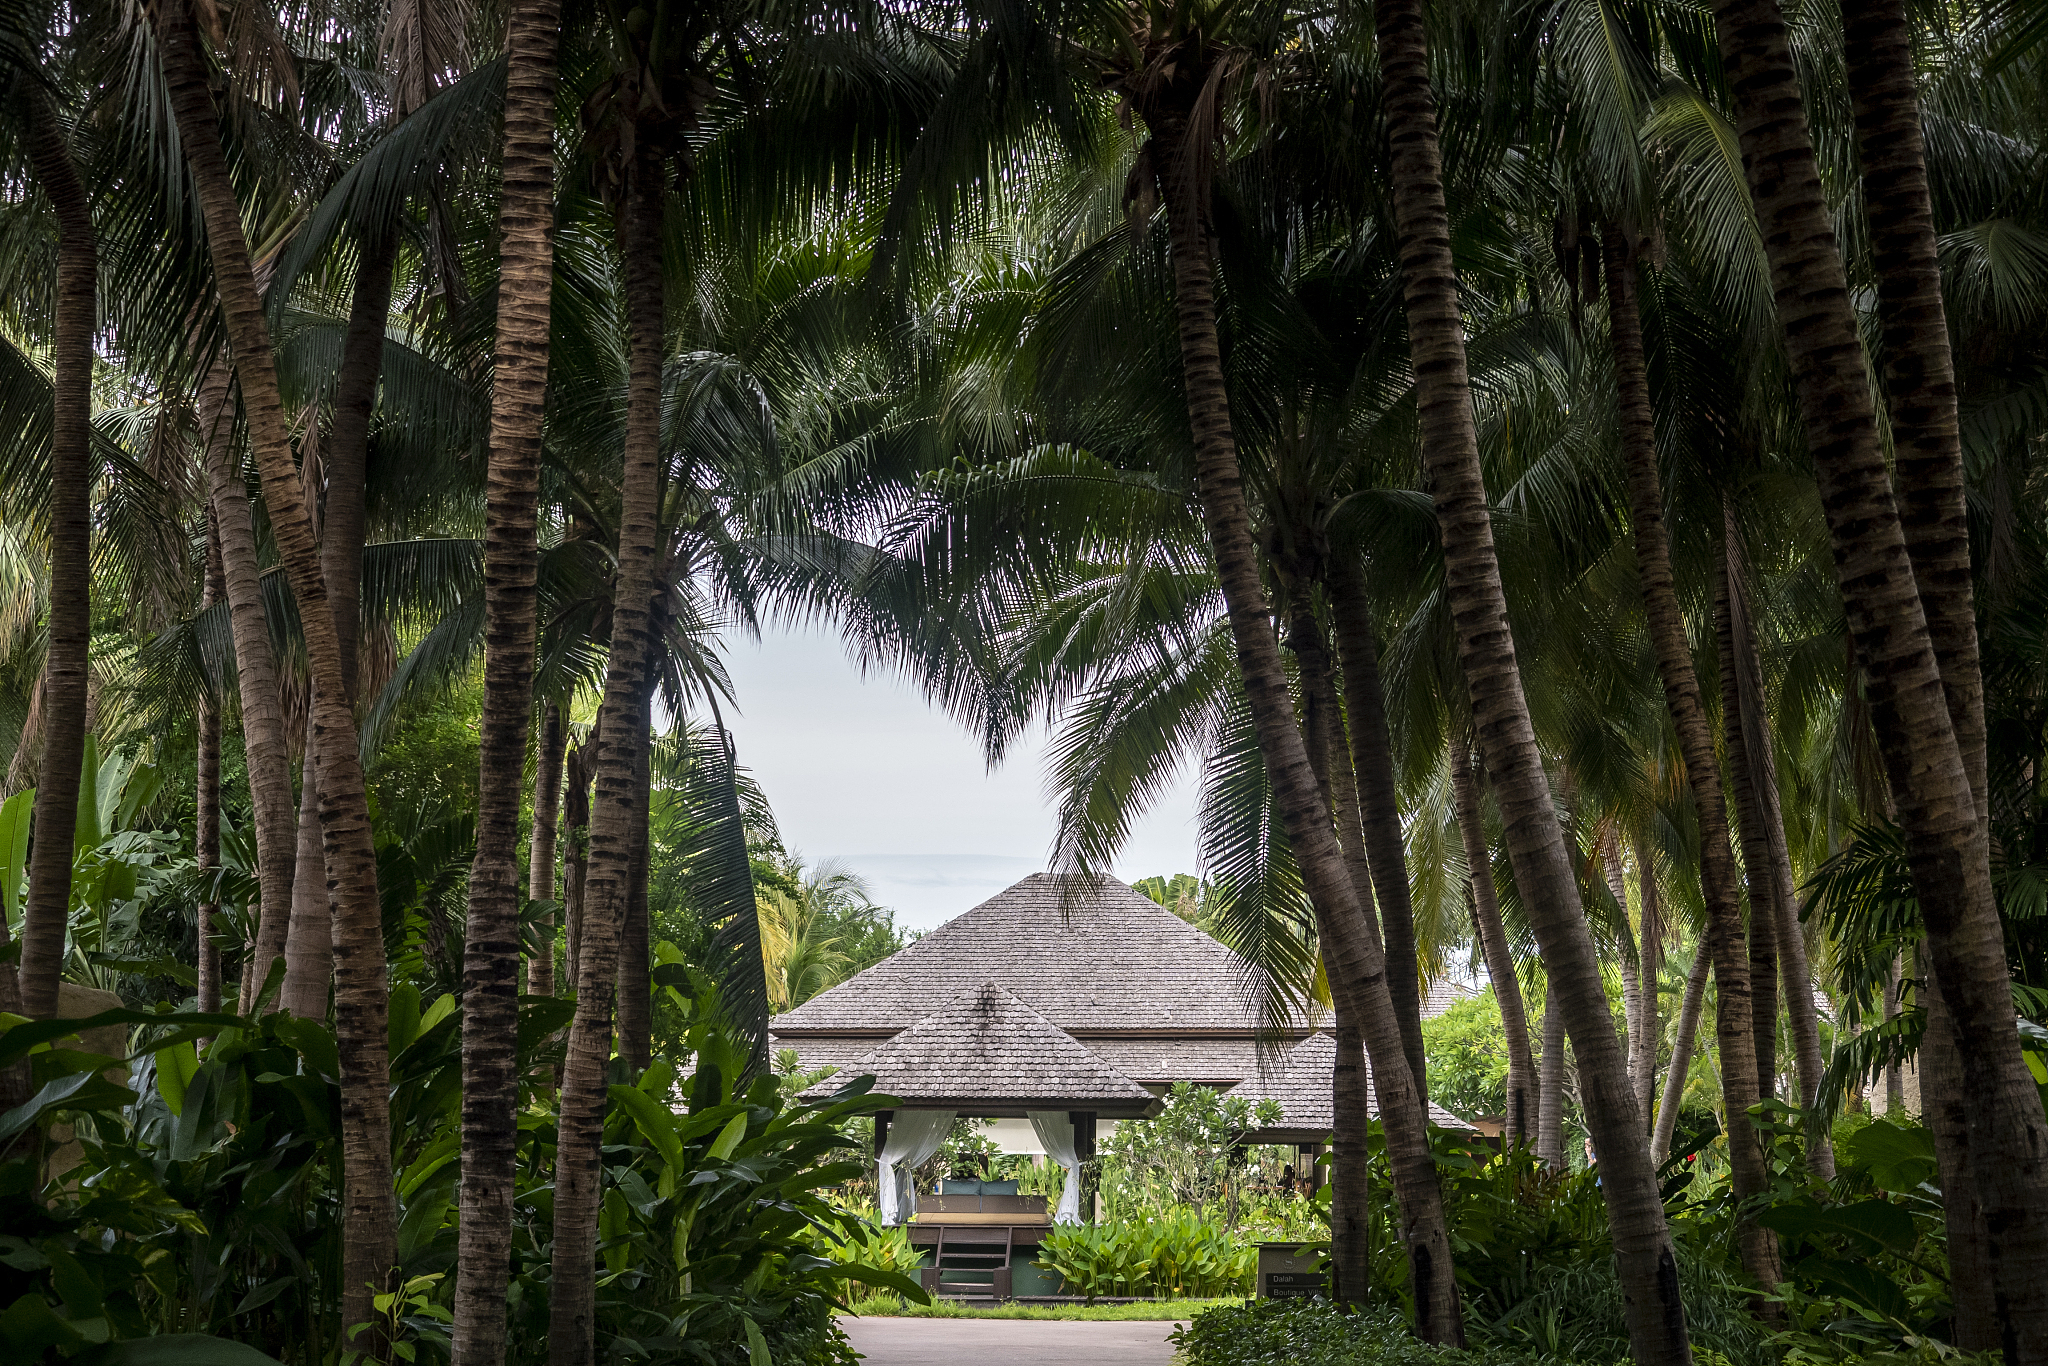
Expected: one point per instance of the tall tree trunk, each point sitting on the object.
(1795, 971)
(368, 1210)
(1350, 1161)
(1919, 372)
(1486, 650)
(490, 961)
(1372, 757)
(1650, 945)
(256, 681)
(1756, 844)
(1493, 945)
(540, 869)
(1360, 966)
(1734, 1024)
(1925, 750)
(309, 943)
(576, 849)
(1944, 1108)
(636, 1001)
(1689, 1008)
(1550, 1087)
(206, 792)
(1629, 960)
(607, 891)
(46, 913)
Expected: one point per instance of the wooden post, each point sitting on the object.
(1084, 1152)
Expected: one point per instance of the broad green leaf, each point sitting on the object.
(179, 1349)
(175, 1067)
(1899, 1159)
(757, 1346)
(79, 1091)
(442, 1008)
(15, 815)
(654, 1121)
(722, 1147)
(404, 1016)
(89, 833)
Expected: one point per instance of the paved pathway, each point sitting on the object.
(1009, 1342)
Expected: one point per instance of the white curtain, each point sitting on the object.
(914, 1135)
(1055, 1129)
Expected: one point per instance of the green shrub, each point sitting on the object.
(1315, 1333)
(1180, 1254)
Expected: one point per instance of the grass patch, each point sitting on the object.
(890, 1306)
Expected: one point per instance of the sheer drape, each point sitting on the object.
(914, 1135)
(1055, 1129)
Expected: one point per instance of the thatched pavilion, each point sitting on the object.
(1062, 1001)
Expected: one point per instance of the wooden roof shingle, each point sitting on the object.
(987, 1048)
(1089, 955)
(1302, 1086)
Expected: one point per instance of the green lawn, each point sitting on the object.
(889, 1306)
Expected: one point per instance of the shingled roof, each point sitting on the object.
(1302, 1087)
(986, 1048)
(1091, 955)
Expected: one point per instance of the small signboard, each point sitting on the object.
(1291, 1271)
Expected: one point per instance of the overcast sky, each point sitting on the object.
(863, 770)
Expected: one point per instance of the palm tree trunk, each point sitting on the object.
(368, 1210)
(46, 913)
(540, 869)
(1550, 1088)
(309, 943)
(1486, 650)
(206, 793)
(1756, 846)
(636, 1001)
(1919, 372)
(1372, 757)
(1628, 960)
(262, 704)
(1350, 1174)
(576, 853)
(1689, 1008)
(1944, 1108)
(490, 961)
(1493, 944)
(1795, 971)
(1650, 944)
(573, 1297)
(1360, 966)
(1938, 797)
(1734, 1024)
(1894, 1076)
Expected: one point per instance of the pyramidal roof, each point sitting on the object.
(988, 1046)
(1086, 953)
(1302, 1086)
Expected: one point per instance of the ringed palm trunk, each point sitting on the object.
(1360, 968)
(1550, 1086)
(1734, 1020)
(1795, 970)
(1493, 945)
(206, 784)
(1322, 730)
(1687, 1029)
(1756, 851)
(1924, 749)
(309, 942)
(576, 851)
(1944, 1109)
(490, 961)
(1628, 960)
(540, 869)
(362, 991)
(636, 1001)
(1507, 740)
(1650, 945)
(608, 887)
(1372, 757)
(262, 705)
(1350, 1166)
(47, 911)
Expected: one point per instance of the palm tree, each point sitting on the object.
(368, 1204)
(1172, 64)
(490, 961)
(540, 869)
(1493, 943)
(1737, 1026)
(1507, 742)
(46, 913)
(802, 934)
(1921, 742)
